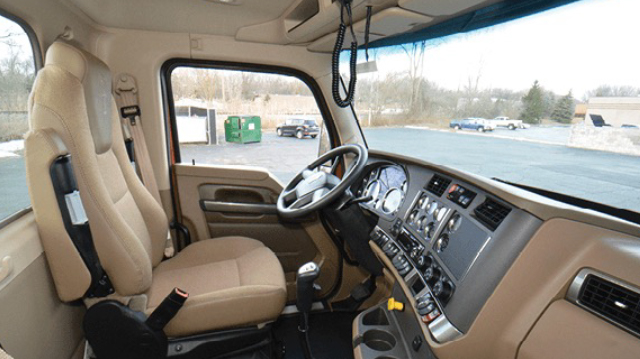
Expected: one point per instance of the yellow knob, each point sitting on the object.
(392, 305)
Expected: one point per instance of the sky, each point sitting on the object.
(20, 39)
(575, 47)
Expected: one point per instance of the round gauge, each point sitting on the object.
(373, 190)
(454, 223)
(392, 200)
(439, 215)
(442, 243)
(428, 229)
(431, 209)
(413, 216)
(422, 202)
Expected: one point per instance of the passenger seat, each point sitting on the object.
(233, 281)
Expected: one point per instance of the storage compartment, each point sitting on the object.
(376, 317)
(379, 340)
(393, 21)
(438, 8)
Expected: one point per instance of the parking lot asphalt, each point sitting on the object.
(598, 176)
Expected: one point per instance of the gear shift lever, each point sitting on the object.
(307, 274)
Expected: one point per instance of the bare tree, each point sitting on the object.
(415, 53)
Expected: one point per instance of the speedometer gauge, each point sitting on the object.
(392, 200)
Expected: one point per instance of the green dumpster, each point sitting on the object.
(243, 129)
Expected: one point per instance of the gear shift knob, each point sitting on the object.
(307, 274)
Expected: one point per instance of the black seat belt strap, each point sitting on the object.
(77, 225)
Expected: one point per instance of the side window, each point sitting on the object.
(230, 117)
(17, 72)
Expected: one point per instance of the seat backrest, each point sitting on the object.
(72, 110)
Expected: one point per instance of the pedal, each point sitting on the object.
(360, 293)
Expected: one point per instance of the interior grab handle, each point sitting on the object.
(6, 267)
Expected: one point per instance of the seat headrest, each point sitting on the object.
(95, 77)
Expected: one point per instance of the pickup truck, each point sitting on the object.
(472, 123)
(504, 121)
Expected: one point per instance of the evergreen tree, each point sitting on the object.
(534, 104)
(565, 109)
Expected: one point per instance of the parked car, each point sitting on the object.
(503, 121)
(472, 123)
(299, 128)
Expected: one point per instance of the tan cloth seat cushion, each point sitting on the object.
(232, 282)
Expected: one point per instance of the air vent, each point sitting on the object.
(438, 185)
(612, 301)
(491, 213)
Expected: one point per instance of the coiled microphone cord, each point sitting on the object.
(335, 60)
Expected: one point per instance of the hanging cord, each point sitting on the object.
(335, 59)
(367, 30)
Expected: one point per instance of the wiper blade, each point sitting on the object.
(621, 213)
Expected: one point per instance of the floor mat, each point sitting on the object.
(330, 335)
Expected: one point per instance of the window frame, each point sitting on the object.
(171, 129)
(38, 63)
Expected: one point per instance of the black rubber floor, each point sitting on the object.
(330, 335)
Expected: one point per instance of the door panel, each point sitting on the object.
(35, 324)
(218, 201)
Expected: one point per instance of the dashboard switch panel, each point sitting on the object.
(460, 195)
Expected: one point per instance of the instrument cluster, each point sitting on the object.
(386, 186)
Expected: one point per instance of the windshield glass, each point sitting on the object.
(549, 101)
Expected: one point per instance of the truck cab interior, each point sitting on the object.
(133, 225)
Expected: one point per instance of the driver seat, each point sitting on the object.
(232, 281)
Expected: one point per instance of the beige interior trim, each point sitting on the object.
(567, 331)
(557, 251)
(31, 312)
(21, 243)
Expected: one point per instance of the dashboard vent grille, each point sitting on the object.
(491, 213)
(612, 301)
(438, 185)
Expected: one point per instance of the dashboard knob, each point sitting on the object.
(442, 243)
(428, 230)
(454, 223)
(432, 275)
(424, 261)
(442, 290)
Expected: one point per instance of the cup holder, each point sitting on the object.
(377, 316)
(379, 340)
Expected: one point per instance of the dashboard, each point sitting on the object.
(450, 242)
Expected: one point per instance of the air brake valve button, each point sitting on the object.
(392, 305)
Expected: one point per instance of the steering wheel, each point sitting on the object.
(312, 189)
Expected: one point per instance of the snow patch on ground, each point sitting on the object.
(9, 148)
(610, 139)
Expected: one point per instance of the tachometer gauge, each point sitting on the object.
(392, 200)
(373, 190)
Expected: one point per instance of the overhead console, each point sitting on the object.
(450, 243)
(314, 23)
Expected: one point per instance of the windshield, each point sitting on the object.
(549, 101)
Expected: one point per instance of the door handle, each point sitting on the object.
(6, 267)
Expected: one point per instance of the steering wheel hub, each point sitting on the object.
(313, 189)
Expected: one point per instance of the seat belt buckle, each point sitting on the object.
(131, 112)
(167, 309)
